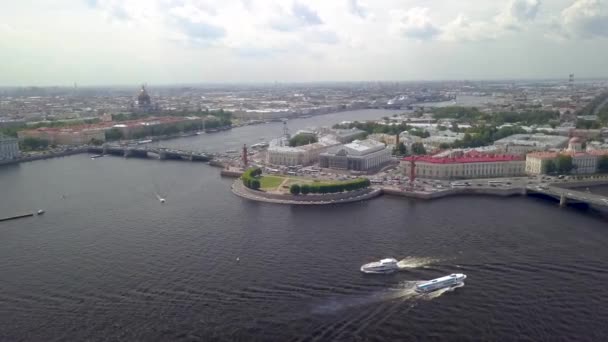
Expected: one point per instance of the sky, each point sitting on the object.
(103, 42)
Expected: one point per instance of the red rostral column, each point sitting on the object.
(412, 171)
(245, 161)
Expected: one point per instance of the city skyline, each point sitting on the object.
(107, 42)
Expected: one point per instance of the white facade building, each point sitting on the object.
(357, 156)
(520, 144)
(9, 148)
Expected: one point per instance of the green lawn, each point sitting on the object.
(270, 182)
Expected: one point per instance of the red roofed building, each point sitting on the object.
(469, 165)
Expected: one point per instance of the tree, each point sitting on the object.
(549, 167)
(602, 164)
(455, 127)
(96, 142)
(401, 149)
(563, 163)
(305, 189)
(33, 144)
(255, 184)
(114, 134)
(295, 189)
(418, 148)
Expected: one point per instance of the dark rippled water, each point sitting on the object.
(108, 262)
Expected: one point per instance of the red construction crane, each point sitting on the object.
(244, 156)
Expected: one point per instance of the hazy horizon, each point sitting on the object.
(173, 42)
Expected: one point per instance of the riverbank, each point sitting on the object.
(44, 156)
(455, 192)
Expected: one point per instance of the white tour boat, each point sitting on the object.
(387, 265)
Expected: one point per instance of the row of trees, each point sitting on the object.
(562, 164)
(534, 117)
(474, 115)
(602, 164)
(250, 178)
(329, 188)
(302, 139)
(588, 124)
(590, 108)
(116, 134)
(33, 144)
(371, 127)
(221, 118)
(416, 149)
(465, 114)
(482, 136)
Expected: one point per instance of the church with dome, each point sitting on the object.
(144, 104)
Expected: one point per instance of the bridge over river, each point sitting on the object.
(567, 196)
(150, 152)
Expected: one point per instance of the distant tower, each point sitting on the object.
(285, 129)
(571, 84)
(244, 156)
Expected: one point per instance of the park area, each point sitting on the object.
(253, 179)
(269, 183)
(282, 183)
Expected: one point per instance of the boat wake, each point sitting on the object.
(414, 262)
(353, 319)
(405, 291)
(438, 293)
(160, 199)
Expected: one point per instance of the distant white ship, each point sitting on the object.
(260, 145)
(387, 265)
(451, 280)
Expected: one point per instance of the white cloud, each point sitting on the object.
(295, 17)
(466, 30)
(415, 23)
(518, 13)
(357, 9)
(280, 39)
(585, 19)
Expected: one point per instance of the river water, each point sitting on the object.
(108, 262)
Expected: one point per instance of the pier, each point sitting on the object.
(150, 152)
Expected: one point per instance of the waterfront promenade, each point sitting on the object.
(517, 187)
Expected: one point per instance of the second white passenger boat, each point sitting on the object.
(387, 265)
(451, 280)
